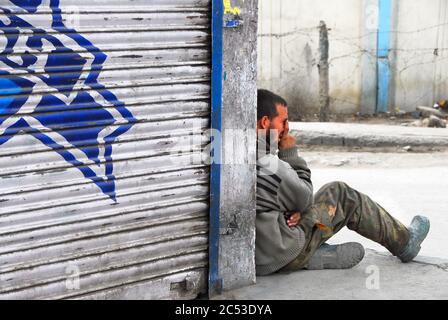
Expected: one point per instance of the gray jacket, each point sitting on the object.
(283, 186)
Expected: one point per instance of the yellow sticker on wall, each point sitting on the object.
(228, 9)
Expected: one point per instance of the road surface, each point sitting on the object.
(403, 183)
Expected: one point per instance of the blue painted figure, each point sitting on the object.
(50, 91)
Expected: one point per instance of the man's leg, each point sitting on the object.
(338, 205)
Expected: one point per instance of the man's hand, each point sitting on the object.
(294, 219)
(287, 141)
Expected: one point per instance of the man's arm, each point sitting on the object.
(296, 192)
(291, 156)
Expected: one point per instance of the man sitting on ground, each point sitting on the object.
(292, 225)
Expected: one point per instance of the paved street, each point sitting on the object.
(378, 276)
(405, 184)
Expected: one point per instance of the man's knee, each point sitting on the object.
(332, 189)
(338, 185)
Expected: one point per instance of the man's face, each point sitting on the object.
(278, 126)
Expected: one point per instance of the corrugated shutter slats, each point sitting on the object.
(54, 220)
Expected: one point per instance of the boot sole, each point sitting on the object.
(346, 256)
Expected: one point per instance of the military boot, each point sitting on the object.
(341, 256)
(418, 230)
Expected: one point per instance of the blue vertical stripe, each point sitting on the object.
(214, 281)
(383, 64)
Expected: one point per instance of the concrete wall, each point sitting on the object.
(421, 53)
(288, 53)
(237, 218)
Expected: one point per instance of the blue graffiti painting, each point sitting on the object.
(49, 88)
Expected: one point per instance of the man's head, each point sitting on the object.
(272, 115)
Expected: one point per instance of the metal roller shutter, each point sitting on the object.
(103, 106)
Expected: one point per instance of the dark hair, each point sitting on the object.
(267, 104)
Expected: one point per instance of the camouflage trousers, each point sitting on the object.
(337, 205)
